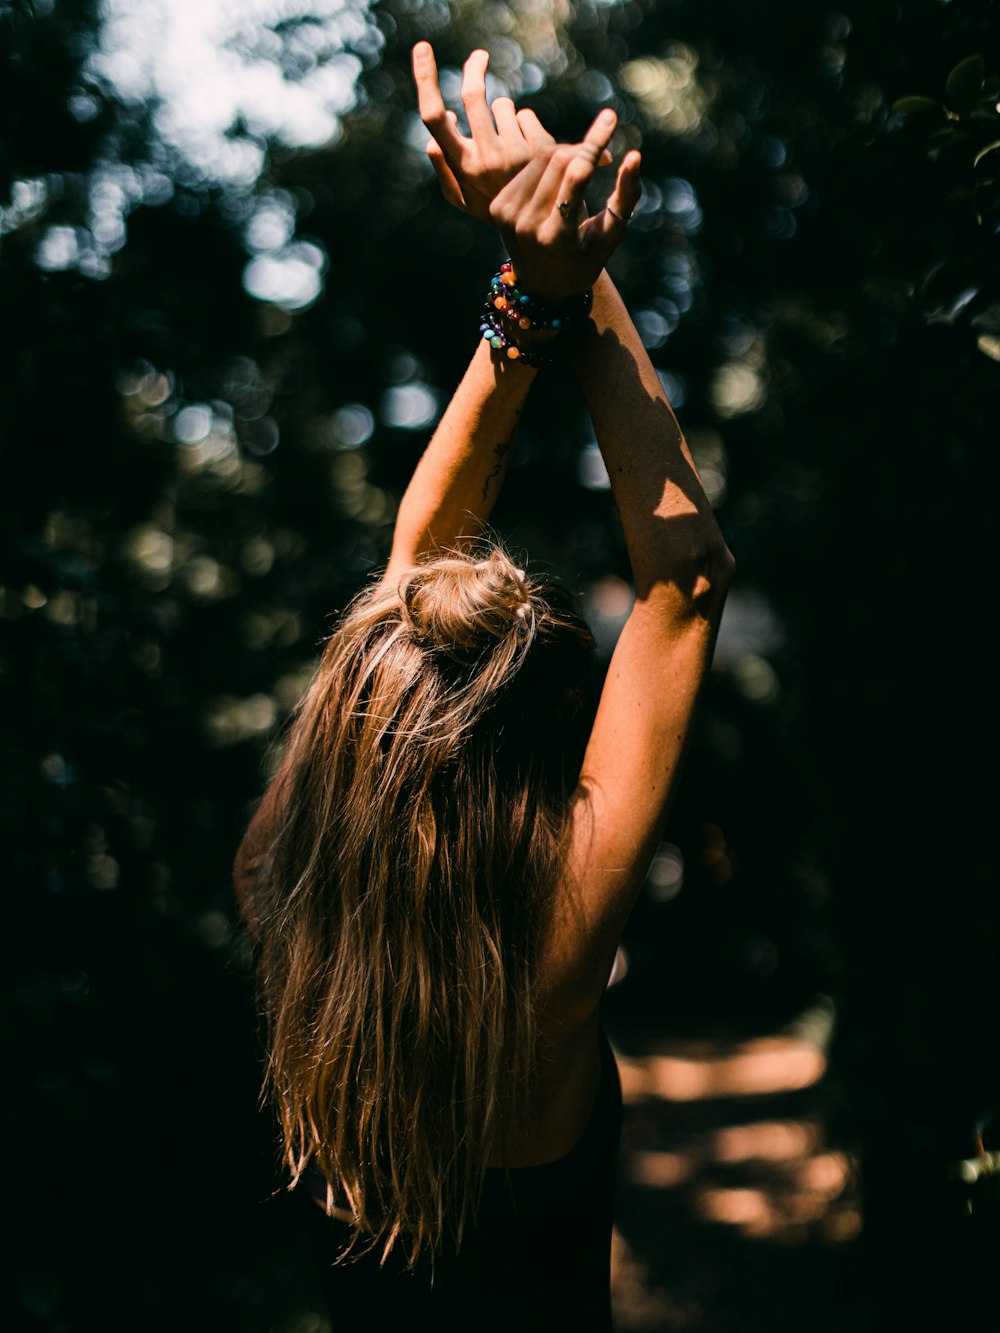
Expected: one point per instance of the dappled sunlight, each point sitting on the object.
(731, 1136)
(767, 1141)
(799, 1197)
(663, 1169)
(638, 1303)
(763, 1066)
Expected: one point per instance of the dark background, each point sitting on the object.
(196, 476)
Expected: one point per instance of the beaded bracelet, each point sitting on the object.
(510, 311)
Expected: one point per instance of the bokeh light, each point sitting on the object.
(238, 307)
(214, 65)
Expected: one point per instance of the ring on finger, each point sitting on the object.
(565, 208)
(625, 218)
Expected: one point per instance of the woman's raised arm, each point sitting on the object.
(680, 565)
(452, 492)
(682, 570)
(457, 480)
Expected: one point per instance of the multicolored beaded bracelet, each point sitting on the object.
(509, 311)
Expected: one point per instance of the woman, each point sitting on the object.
(439, 875)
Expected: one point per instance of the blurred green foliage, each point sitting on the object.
(220, 372)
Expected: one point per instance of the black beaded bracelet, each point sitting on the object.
(510, 311)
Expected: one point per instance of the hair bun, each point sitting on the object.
(466, 607)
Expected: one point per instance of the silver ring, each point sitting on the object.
(610, 210)
(565, 208)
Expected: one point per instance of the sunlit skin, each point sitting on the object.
(510, 172)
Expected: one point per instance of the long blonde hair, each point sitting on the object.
(420, 815)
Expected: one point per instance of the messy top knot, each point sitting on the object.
(466, 608)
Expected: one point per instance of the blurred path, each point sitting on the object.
(735, 1212)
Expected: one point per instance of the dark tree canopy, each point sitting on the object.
(228, 341)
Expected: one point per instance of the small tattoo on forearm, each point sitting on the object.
(500, 454)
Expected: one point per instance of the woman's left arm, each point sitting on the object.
(457, 480)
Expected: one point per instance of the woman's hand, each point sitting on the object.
(472, 171)
(557, 251)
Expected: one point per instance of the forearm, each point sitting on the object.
(456, 482)
(669, 528)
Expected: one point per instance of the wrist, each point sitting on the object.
(522, 325)
(549, 291)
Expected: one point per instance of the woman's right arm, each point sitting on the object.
(680, 565)
(682, 569)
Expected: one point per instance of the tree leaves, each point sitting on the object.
(915, 104)
(965, 83)
(957, 148)
(989, 148)
(963, 89)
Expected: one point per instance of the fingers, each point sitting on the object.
(474, 98)
(569, 199)
(506, 120)
(535, 133)
(516, 195)
(562, 184)
(625, 196)
(449, 185)
(570, 168)
(605, 231)
(599, 135)
(430, 103)
(537, 136)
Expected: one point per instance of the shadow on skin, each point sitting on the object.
(668, 490)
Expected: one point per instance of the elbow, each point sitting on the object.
(710, 581)
(704, 564)
(694, 583)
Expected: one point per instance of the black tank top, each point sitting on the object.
(538, 1257)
